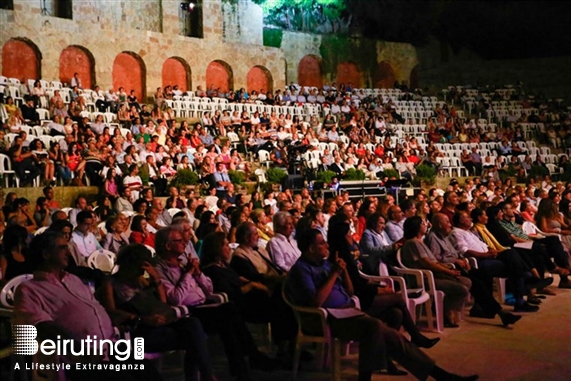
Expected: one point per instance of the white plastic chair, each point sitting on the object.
(41, 230)
(173, 211)
(103, 260)
(9, 290)
(436, 296)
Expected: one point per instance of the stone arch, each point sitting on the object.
(309, 71)
(414, 83)
(176, 71)
(384, 76)
(77, 59)
(130, 72)
(349, 72)
(219, 75)
(21, 59)
(259, 78)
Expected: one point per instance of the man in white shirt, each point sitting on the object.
(282, 249)
(83, 238)
(395, 224)
(506, 263)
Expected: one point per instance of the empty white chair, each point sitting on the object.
(103, 260)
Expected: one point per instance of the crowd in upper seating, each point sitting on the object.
(82, 133)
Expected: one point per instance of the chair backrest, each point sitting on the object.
(41, 230)
(9, 290)
(103, 260)
(529, 228)
(173, 211)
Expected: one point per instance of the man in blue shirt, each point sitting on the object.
(315, 282)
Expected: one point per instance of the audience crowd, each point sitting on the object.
(187, 248)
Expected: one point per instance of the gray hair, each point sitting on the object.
(161, 239)
(178, 221)
(279, 219)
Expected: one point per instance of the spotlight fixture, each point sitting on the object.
(188, 7)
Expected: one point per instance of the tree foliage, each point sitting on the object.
(322, 16)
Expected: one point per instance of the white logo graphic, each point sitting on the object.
(25, 343)
(24, 337)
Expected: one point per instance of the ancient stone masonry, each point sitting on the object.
(149, 31)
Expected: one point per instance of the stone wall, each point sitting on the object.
(365, 54)
(108, 28)
(243, 23)
(440, 67)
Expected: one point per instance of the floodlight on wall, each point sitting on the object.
(188, 7)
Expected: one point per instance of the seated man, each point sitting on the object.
(83, 238)
(190, 287)
(505, 263)
(444, 252)
(60, 304)
(282, 248)
(314, 282)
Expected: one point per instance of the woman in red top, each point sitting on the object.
(139, 233)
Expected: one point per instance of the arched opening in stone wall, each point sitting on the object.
(219, 76)
(414, 83)
(309, 71)
(129, 71)
(21, 59)
(349, 72)
(176, 71)
(260, 79)
(384, 76)
(77, 59)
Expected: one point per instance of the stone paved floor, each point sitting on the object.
(537, 348)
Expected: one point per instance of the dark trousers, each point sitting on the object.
(482, 292)
(26, 165)
(376, 340)
(508, 264)
(392, 309)
(225, 320)
(186, 334)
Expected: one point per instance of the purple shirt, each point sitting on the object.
(305, 278)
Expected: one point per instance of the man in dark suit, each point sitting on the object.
(149, 172)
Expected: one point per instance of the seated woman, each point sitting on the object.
(256, 301)
(133, 300)
(416, 255)
(13, 253)
(115, 238)
(378, 301)
(377, 245)
(139, 232)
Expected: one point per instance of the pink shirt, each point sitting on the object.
(68, 303)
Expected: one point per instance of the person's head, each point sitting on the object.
(494, 214)
(313, 245)
(15, 239)
(507, 210)
(376, 222)
(183, 225)
(479, 216)
(441, 224)
(451, 199)
(283, 223)
(84, 221)
(247, 234)
(49, 251)
(414, 227)
(131, 260)
(339, 235)
(395, 213)
(139, 224)
(81, 203)
(408, 208)
(258, 216)
(48, 192)
(215, 248)
(169, 242)
(62, 226)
